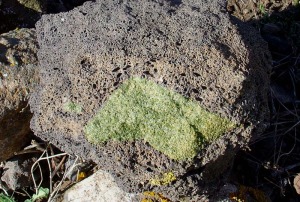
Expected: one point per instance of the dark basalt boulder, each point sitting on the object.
(160, 93)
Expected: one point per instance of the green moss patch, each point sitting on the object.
(142, 109)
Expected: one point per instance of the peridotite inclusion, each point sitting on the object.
(169, 122)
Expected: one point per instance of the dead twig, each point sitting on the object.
(70, 170)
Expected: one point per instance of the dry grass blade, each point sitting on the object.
(69, 171)
(32, 170)
(37, 164)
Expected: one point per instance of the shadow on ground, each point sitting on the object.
(273, 159)
(15, 15)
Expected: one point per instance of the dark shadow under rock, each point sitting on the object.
(25, 13)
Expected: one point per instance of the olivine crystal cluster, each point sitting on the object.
(172, 124)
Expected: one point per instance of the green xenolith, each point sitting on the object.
(172, 124)
(72, 107)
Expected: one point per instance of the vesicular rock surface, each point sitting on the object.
(18, 75)
(125, 81)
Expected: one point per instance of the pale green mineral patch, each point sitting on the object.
(32, 4)
(165, 179)
(142, 109)
(72, 107)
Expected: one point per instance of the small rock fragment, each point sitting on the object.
(297, 183)
(99, 187)
(17, 173)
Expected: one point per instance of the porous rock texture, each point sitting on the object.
(18, 75)
(190, 47)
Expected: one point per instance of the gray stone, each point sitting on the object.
(297, 183)
(189, 47)
(18, 74)
(17, 173)
(99, 187)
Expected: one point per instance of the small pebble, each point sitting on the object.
(245, 11)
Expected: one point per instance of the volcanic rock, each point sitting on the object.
(160, 93)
